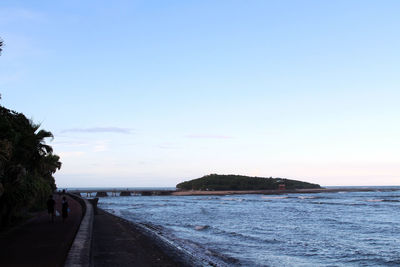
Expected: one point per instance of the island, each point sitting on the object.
(218, 182)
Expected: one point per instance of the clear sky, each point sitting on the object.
(151, 93)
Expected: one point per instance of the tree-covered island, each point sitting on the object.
(217, 182)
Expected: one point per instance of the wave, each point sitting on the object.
(382, 200)
(207, 198)
(201, 227)
(192, 252)
(370, 259)
(391, 200)
(233, 199)
(337, 203)
(375, 200)
(257, 239)
(115, 212)
(338, 221)
(279, 197)
(306, 197)
(197, 227)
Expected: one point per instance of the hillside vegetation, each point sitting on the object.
(27, 165)
(218, 182)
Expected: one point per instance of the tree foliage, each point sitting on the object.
(239, 182)
(27, 165)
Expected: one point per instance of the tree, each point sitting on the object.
(27, 165)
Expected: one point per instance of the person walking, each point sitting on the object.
(50, 207)
(64, 208)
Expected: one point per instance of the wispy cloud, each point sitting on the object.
(99, 130)
(100, 146)
(168, 146)
(70, 154)
(209, 136)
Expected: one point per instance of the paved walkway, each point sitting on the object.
(40, 242)
(117, 243)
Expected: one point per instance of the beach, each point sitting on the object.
(118, 242)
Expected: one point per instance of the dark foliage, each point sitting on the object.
(27, 165)
(239, 182)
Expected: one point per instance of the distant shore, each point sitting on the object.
(275, 192)
(104, 192)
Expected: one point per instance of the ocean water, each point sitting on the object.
(325, 229)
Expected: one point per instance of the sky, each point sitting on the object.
(153, 93)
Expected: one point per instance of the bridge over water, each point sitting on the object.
(105, 192)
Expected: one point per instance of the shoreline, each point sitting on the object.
(279, 192)
(120, 242)
(277, 224)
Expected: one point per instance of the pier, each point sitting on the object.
(106, 192)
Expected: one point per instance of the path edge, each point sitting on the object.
(80, 252)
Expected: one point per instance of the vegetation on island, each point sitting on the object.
(216, 182)
(27, 165)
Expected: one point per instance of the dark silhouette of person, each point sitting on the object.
(64, 208)
(50, 207)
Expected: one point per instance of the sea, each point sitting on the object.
(321, 229)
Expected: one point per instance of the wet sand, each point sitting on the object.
(118, 242)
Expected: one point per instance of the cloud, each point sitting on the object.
(209, 136)
(168, 146)
(70, 154)
(99, 130)
(100, 146)
(70, 143)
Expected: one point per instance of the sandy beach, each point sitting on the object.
(118, 242)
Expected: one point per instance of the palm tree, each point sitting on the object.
(27, 164)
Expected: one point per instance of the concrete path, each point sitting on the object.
(40, 242)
